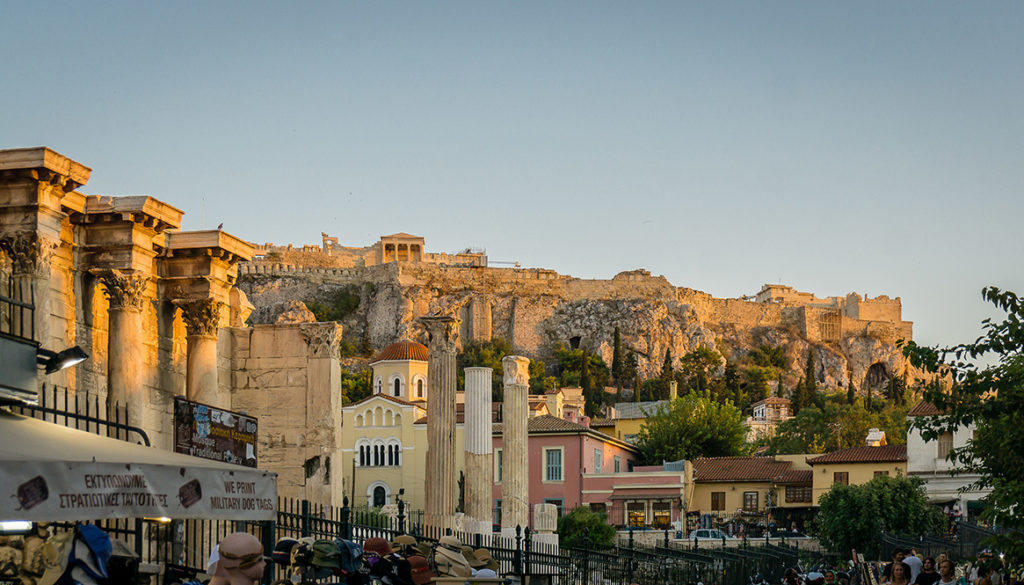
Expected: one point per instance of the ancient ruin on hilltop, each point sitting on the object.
(397, 281)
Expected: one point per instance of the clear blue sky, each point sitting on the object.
(875, 147)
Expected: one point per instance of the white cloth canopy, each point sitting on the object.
(51, 473)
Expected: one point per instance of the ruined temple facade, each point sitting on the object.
(535, 309)
(159, 315)
(400, 247)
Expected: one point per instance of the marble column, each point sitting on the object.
(478, 431)
(202, 319)
(126, 293)
(441, 485)
(515, 471)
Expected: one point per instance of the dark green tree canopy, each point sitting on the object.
(692, 426)
(584, 528)
(854, 516)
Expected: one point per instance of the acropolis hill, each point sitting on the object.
(535, 309)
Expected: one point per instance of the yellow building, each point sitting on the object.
(400, 371)
(856, 466)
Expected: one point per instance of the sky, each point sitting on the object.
(870, 147)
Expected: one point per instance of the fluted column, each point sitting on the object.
(441, 484)
(478, 433)
(515, 471)
(202, 319)
(126, 292)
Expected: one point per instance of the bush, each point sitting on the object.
(584, 528)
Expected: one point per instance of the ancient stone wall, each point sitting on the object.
(289, 378)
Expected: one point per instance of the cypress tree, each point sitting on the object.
(666, 366)
(618, 360)
(851, 393)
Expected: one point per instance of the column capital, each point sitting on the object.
(516, 369)
(202, 316)
(442, 332)
(124, 289)
(324, 339)
(29, 254)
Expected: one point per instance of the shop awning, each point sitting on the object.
(52, 473)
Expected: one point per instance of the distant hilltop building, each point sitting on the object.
(400, 247)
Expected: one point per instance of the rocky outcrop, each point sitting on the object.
(537, 309)
(289, 312)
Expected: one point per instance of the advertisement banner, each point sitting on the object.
(214, 433)
(65, 491)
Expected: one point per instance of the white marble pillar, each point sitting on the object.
(478, 432)
(441, 484)
(202, 319)
(515, 471)
(126, 293)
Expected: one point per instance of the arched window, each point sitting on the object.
(380, 497)
(419, 388)
(378, 385)
(398, 387)
(391, 455)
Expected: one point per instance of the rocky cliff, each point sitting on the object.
(538, 309)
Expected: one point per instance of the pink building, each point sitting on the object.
(573, 465)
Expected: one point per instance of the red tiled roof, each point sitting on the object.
(795, 476)
(923, 408)
(403, 350)
(739, 468)
(883, 454)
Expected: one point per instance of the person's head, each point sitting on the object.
(942, 556)
(928, 564)
(912, 552)
(900, 572)
(897, 554)
(946, 569)
(830, 577)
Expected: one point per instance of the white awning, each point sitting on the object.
(53, 473)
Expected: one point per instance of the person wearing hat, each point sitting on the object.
(241, 560)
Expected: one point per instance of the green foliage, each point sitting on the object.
(584, 528)
(770, 356)
(853, 516)
(836, 424)
(342, 303)
(696, 367)
(592, 377)
(691, 426)
(488, 354)
(355, 385)
(989, 395)
(618, 360)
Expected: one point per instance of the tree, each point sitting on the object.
(810, 378)
(835, 425)
(851, 392)
(666, 366)
(691, 426)
(988, 392)
(696, 366)
(488, 354)
(618, 360)
(355, 385)
(854, 516)
(584, 528)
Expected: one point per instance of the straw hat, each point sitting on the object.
(404, 541)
